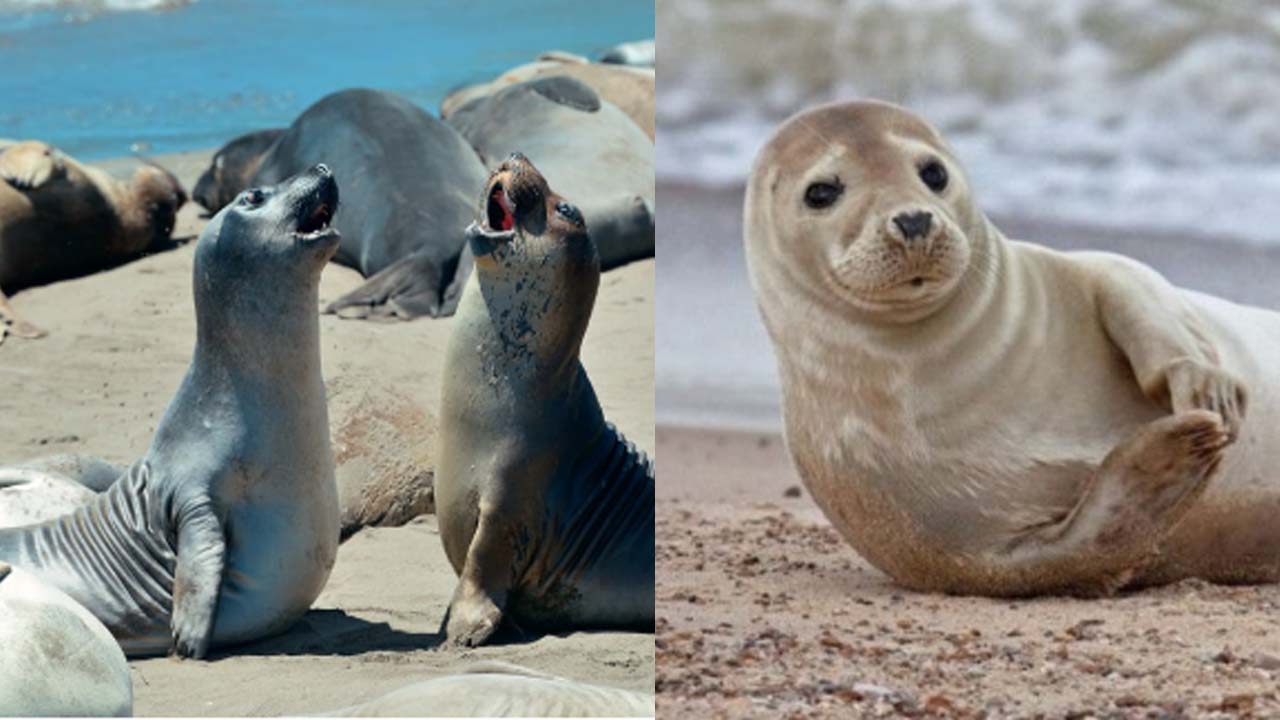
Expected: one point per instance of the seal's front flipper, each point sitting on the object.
(623, 230)
(409, 288)
(29, 165)
(475, 612)
(1140, 492)
(11, 324)
(197, 578)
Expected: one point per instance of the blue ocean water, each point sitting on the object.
(102, 78)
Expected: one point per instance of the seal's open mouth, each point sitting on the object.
(499, 214)
(316, 222)
(316, 209)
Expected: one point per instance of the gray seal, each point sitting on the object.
(56, 658)
(227, 528)
(409, 181)
(587, 148)
(546, 512)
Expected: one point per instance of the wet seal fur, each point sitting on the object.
(60, 219)
(56, 659)
(410, 181)
(227, 529)
(979, 415)
(546, 512)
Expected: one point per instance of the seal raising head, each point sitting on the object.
(545, 510)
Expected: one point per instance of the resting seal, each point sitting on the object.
(498, 689)
(60, 219)
(227, 528)
(586, 147)
(232, 168)
(545, 511)
(978, 415)
(56, 659)
(410, 181)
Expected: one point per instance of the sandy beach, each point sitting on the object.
(764, 611)
(118, 345)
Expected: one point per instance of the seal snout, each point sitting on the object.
(317, 207)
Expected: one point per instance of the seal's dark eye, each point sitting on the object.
(570, 213)
(822, 194)
(934, 175)
(254, 197)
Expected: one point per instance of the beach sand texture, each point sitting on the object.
(118, 344)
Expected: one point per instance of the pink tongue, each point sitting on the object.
(507, 220)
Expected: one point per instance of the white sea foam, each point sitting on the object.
(83, 9)
(1158, 114)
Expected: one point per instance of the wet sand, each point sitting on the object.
(118, 345)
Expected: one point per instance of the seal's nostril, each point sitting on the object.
(914, 225)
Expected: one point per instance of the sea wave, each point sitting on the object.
(1157, 114)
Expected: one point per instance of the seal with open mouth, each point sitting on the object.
(979, 415)
(227, 528)
(546, 512)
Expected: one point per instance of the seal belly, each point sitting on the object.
(601, 531)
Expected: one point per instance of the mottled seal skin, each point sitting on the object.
(498, 689)
(232, 168)
(587, 148)
(545, 511)
(978, 415)
(410, 181)
(60, 219)
(632, 89)
(56, 658)
(227, 528)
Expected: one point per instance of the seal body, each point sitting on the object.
(56, 658)
(545, 511)
(233, 167)
(498, 689)
(410, 180)
(227, 529)
(979, 415)
(587, 148)
(60, 219)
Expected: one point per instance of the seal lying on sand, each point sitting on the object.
(978, 415)
(60, 219)
(632, 89)
(409, 180)
(227, 529)
(232, 168)
(498, 689)
(545, 511)
(56, 659)
(588, 149)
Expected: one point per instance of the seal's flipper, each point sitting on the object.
(623, 230)
(29, 165)
(1139, 493)
(475, 612)
(406, 289)
(198, 577)
(11, 324)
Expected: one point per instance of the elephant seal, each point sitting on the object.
(56, 659)
(632, 89)
(50, 487)
(983, 416)
(587, 148)
(60, 219)
(410, 182)
(232, 168)
(641, 53)
(498, 689)
(227, 528)
(544, 509)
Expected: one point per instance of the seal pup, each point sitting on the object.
(56, 659)
(499, 689)
(586, 147)
(978, 415)
(411, 180)
(227, 529)
(60, 219)
(544, 509)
